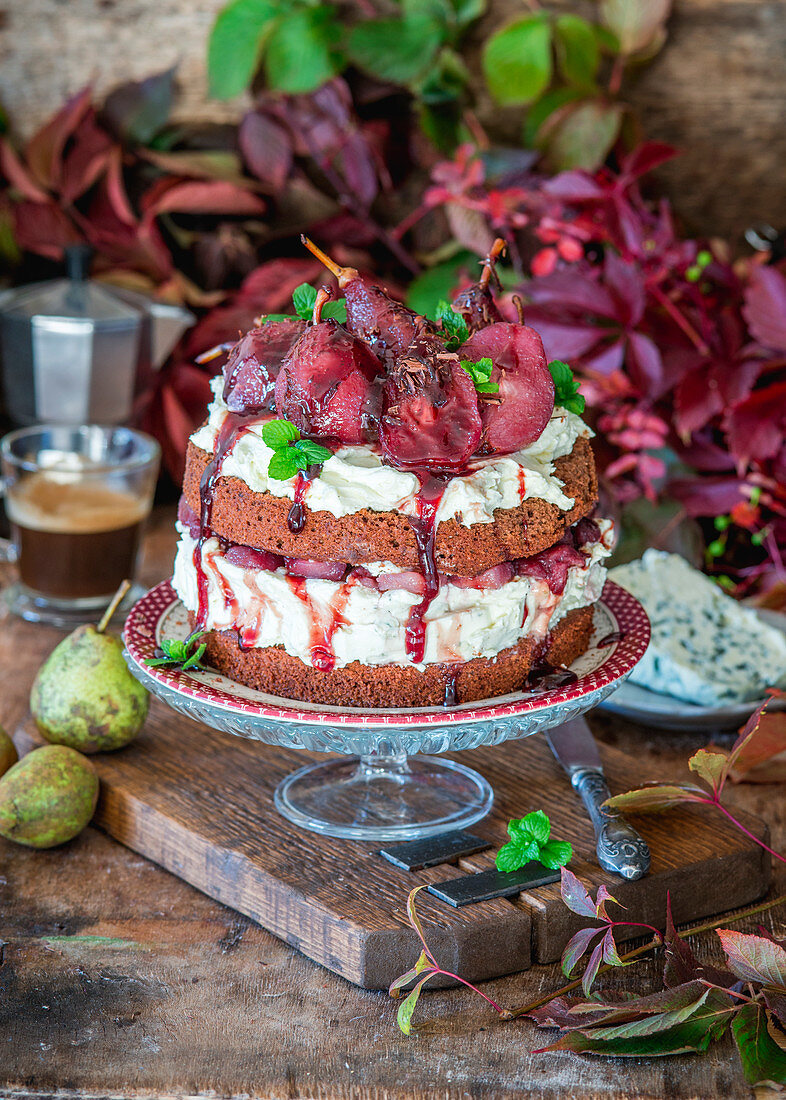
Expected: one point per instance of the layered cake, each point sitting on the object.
(383, 510)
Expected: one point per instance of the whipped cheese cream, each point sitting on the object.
(270, 608)
(356, 478)
(705, 648)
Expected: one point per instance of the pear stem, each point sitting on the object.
(323, 295)
(114, 603)
(489, 264)
(343, 274)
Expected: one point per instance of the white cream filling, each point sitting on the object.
(356, 478)
(461, 623)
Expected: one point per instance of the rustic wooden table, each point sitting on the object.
(118, 980)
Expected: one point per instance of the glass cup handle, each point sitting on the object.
(8, 552)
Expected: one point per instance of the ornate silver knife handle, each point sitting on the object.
(620, 848)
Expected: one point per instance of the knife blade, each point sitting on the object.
(619, 847)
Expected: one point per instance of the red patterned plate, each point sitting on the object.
(225, 704)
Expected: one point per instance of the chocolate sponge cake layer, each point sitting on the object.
(273, 670)
(260, 520)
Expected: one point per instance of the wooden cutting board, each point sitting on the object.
(200, 803)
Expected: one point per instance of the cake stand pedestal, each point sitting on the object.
(384, 797)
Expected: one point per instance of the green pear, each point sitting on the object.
(8, 753)
(48, 797)
(85, 697)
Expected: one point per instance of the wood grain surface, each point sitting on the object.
(200, 803)
(119, 980)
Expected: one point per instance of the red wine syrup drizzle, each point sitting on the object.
(232, 428)
(296, 517)
(610, 639)
(321, 641)
(424, 527)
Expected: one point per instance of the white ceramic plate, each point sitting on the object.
(650, 708)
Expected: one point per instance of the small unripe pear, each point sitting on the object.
(48, 797)
(85, 697)
(8, 753)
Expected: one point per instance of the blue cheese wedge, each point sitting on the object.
(706, 648)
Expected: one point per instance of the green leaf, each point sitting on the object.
(453, 325)
(407, 1006)
(517, 61)
(480, 372)
(763, 1060)
(277, 434)
(237, 41)
(754, 958)
(304, 297)
(300, 53)
(315, 453)
(539, 112)
(537, 825)
(555, 853)
(636, 24)
(467, 11)
(583, 136)
(654, 799)
(285, 464)
(398, 50)
(423, 963)
(436, 284)
(710, 766)
(578, 55)
(566, 388)
(513, 855)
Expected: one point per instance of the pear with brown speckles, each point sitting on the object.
(84, 696)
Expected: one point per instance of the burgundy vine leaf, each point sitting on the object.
(423, 964)
(198, 197)
(575, 894)
(139, 109)
(756, 427)
(43, 151)
(765, 307)
(681, 964)
(593, 966)
(576, 947)
(18, 175)
(574, 186)
(775, 999)
(762, 737)
(602, 898)
(44, 228)
(754, 958)
(87, 158)
(266, 148)
(708, 496)
(646, 157)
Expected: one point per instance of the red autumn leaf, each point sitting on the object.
(756, 427)
(625, 283)
(44, 228)
(574, 290)
(765, 307)
(266, 148)
(645, 365)
(646, 157)
(196, 197)
(85, 160)
(708, 496)
(574, 186)
(17, 174)
(44, 149)
(695, 401)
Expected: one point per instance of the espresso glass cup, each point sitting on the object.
(77, 499)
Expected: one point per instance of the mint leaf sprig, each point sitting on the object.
(180, 653)
(303, 298)
(529, 842)
(566, 388)
(290, 451)
(480, 373)
(453, 324)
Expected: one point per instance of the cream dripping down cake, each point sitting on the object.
(391, 511)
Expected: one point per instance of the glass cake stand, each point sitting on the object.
(386, 784)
